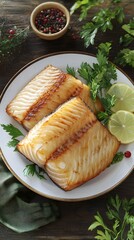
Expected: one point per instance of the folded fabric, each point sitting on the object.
(19, 209)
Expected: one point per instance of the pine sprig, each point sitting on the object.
(11, 37)
(120, 215)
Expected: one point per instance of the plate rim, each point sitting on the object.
(4, 158)
(59, 198)
(53, 54)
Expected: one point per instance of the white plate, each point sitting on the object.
(16, 163)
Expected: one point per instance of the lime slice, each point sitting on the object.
(124, 97)
(121, 125)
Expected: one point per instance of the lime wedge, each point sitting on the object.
(121, 125)
(124, 97)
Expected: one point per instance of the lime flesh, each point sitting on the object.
(124, 97)
(121, 125)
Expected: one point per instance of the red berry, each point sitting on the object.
(10, 36)
(11, 31)
(127, 154)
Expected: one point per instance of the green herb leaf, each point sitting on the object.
(103, 235)
(32, 169)
(71, 71)
(94, 225)
(103, 117)
(13, 143)
(129, 28)
(126, 40)
(84, 6)
(108, 102)
(115, 202)
(85, 71)
(119, 14)
(94, 88)
(118, 157)
(121, 220)
(104, 48)
(116, 225)
(12, 131)
(125, 56)
(78, 4)
(100, 220)
(88, 33)
(128, 204)
(99, 75)
(101, 21)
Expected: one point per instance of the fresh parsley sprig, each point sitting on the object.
(71, 71)
(129, 28)
(14, 133)
(120, 215)
(126, 40)
(84, 6)
(33, 169)
(102, 21)
(126, 55)
(108, 102)
(99, 75)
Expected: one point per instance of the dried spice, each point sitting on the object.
(51, 20)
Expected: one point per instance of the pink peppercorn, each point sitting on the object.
(127, 154)
(50, 20)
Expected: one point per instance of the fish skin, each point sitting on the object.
(70, 144)
(44, 93)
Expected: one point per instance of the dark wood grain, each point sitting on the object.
(74, 217)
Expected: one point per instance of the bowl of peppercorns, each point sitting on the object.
(50, 20)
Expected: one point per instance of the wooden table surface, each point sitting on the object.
(77, 216)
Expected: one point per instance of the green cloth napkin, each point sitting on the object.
(19, 208)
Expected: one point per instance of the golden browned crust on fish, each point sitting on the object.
(70, 144)
(88, 154)
(44, 93)
(32, 94)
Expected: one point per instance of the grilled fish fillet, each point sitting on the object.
(70, 144)
(44, 93)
